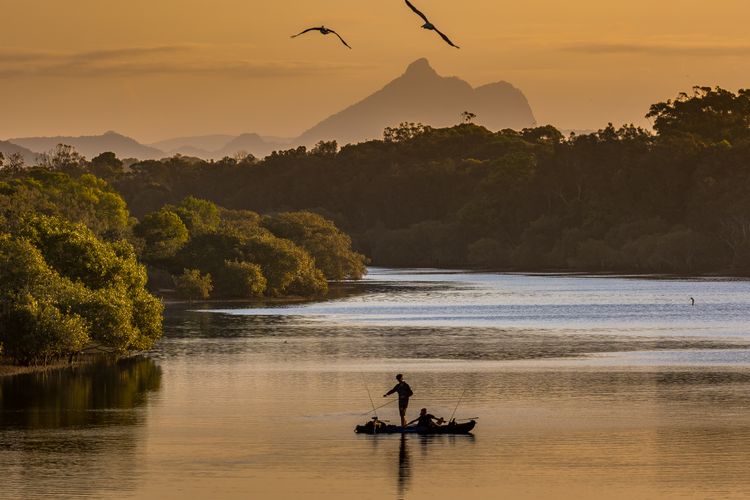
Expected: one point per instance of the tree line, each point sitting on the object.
(671, 200)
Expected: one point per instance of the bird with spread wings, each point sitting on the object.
(324, 31)
(429, 26)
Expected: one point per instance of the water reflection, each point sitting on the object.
(411, 458)
(404, 469)
(75, 397)
(69, 432)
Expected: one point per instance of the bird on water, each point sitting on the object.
(323, 30)
(429, 26)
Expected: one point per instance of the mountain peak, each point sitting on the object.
(422, 95)
(420, 67)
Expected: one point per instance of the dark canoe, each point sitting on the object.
(451, 428)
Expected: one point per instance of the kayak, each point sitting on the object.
(377, 427)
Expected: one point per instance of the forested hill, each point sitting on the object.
(623, 199)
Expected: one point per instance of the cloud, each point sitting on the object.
(660, 49)
(181, 60)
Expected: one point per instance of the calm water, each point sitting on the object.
(585, 388)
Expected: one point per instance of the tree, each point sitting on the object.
(13, 164)
(329, 246)
(711, 114)
(405, 131)
(468, 117)
(57, 277)
(106, 165)
(289, 269)
(243, 279)
(62, 157)
(199, 216)
(37, 332)
(192, 285)
(325, 148)
(164, 234)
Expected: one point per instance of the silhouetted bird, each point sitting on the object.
(429, 26)
(324, 31)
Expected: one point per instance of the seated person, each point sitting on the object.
(426, 420)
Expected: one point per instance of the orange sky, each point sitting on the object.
(155, 69)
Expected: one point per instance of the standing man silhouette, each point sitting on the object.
(404, 393)
(692, 301)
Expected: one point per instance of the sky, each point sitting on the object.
(156, 69)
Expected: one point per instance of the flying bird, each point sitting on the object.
(429, 26)
(324, 31)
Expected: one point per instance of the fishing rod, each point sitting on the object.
(456, 408)
(374, 410)
(381, 406)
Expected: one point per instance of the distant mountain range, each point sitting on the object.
(7, 148)
(92, 145)
(419, 95)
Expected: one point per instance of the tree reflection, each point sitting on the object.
(68, 432)
(81, 396)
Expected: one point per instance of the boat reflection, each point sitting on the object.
(427, 446)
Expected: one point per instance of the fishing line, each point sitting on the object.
(374, 410)
(456, 408)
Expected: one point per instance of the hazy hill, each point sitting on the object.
(91, 146)
(201, 142)
(7, 148)
(421, 95)
(218, 146)
(250, 143)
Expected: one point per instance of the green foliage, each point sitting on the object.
(164, 234)
(62, 157)
(106, 165)
(620, 199)
(85, 199)
(405, 131)
(192, 285)
(708, 114)
(37, 331)
(64, 288)
(199, 216)
(289, 270)
(329, 246)
(243, 279)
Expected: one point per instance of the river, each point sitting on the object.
(585, 387)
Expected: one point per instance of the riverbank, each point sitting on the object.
(336, 290)
(9, 369)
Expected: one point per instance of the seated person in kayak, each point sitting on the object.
(426, 420)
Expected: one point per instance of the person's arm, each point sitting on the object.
(407, 425)
(391, 391)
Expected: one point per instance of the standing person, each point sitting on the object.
(404, 393)
(692, 301)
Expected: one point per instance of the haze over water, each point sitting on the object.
(585, 388)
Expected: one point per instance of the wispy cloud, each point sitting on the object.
(183, 60)
(660, 49)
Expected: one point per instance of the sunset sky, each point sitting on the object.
(155, 69)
